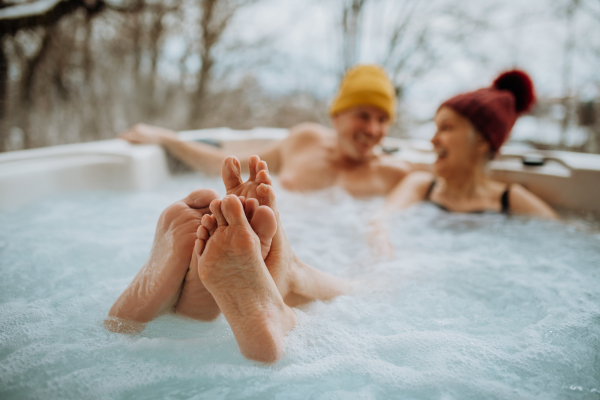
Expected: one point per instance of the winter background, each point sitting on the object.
(80, 70)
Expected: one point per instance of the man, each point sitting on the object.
(237, 261)
(313, 156)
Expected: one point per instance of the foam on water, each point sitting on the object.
(472, 307)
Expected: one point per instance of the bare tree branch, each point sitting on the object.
(351, 19)
(216, 15)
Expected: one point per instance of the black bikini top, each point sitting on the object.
(504, 201)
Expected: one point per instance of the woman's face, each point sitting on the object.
(460, 148)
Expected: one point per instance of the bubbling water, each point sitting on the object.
(471, 307)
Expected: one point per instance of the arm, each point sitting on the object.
(522, 201)
(198, 156)
(411, 190)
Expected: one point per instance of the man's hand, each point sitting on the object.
(147, 134)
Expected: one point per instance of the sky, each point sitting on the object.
(528, 34)
(303, 46)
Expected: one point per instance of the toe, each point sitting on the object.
(250, 208)
(230, 172)
(252, 163)
(233, 211)
(266, 196)
(243, 201)
(200, 199)
(263, 177)
(264, 225)
(215, 208)
(202, 233)
(199, 247)
(262, 166)
(208, 222)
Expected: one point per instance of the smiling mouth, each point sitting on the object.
(364, 140)
(441, 153)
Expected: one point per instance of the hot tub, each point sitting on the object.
(565, 180)
(472, 306)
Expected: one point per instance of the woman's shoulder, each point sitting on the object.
(412, 189)
(522, 201)
(418, 182)
(419, 178)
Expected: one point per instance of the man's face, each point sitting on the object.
(359, 129)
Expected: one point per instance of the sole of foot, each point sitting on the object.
(231, 267)
(157, 286)
(297, 282)
(195, 300)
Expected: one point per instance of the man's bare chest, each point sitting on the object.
(306, 174)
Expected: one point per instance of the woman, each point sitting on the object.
(471, 128)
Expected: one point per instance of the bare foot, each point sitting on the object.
(156, 287)
(231, 266)
(297, 282)
(196, 301)
(231, 174)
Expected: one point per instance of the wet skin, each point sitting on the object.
(192, 282)
(156, 287)
(461, 180)
(312, 156)
(231, 267)
(195, 300)
(296, 281)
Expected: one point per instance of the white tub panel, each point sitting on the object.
(569, 180)
(27, 176)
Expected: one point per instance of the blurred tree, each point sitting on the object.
(409, 41)
(351, 20)
(76, 70)
(156, 12)
(40, 18)
(568, 9)
(412, 37)
(216, 16)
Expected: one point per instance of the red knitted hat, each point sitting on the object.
(494, 110)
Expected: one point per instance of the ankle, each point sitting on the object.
(299, 290)
(297, 276)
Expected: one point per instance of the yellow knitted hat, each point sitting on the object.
(365, 85)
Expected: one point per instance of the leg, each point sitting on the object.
(297, 281)
(156, 287)
(195, 301)
(231, 267)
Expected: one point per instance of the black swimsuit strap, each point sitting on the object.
(505, 201)
(429, 190)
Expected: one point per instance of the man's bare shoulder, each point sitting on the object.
(390, 164)
(309, 131)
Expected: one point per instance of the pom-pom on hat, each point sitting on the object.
(365, 85)
(494, 110)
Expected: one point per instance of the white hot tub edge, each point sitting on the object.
(568, 180)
